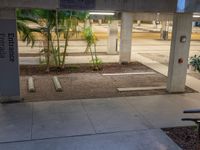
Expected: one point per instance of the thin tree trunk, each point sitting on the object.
(58, 40)
(54, 53)
(65, 49)
(66, 41)
(91, 53)
(48, 52)
(96, 58)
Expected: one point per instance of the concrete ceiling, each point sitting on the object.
(114, 5)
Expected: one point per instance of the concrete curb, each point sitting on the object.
(57, 84)
(31, 85)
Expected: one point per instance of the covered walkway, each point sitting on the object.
(102, 124)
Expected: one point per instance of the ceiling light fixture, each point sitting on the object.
(102, 13)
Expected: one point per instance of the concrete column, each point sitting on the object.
(126, 38)
(181, 36)
(164, 30)
(9, 63)
(154, 24)
(100, 21)
(138, 23)
(113, 37)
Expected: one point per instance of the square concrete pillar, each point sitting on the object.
(113, 37)
(9, 64)
(179, 53)
(126, 37)
(164, 30)
(138, 23)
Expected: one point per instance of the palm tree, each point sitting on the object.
(25, 32)
(69, 23)
(50, 22)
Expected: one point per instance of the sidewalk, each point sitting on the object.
(102, 124)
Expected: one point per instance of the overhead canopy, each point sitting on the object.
(114, 5)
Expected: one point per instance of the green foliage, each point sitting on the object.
(49, 22)
(91, 39)
(195, 62)
(97, 63)
(89, 36)
(25, 32)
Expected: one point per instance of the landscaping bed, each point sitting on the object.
(28, 70)
(81, 82)
(185, 137)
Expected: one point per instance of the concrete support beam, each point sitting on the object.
(138, 22)
(164, 30)
(113, 37)
(126, 38)
(182, 27)
(31, 85)
(154, 24)
(9, 63)
(100, 21)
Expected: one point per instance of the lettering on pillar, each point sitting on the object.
(9, 74)
(11, 47)
(2, 46)
(7, 46)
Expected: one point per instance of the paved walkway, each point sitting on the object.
(114, 123)
(133, 140)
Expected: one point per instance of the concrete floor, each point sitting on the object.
(133, 140)
(112, 123)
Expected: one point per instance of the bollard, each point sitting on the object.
(57, 84)
(31, 85)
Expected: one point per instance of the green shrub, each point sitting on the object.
(195, 62)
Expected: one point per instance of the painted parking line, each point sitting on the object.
(128, 73)
(141, 88)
